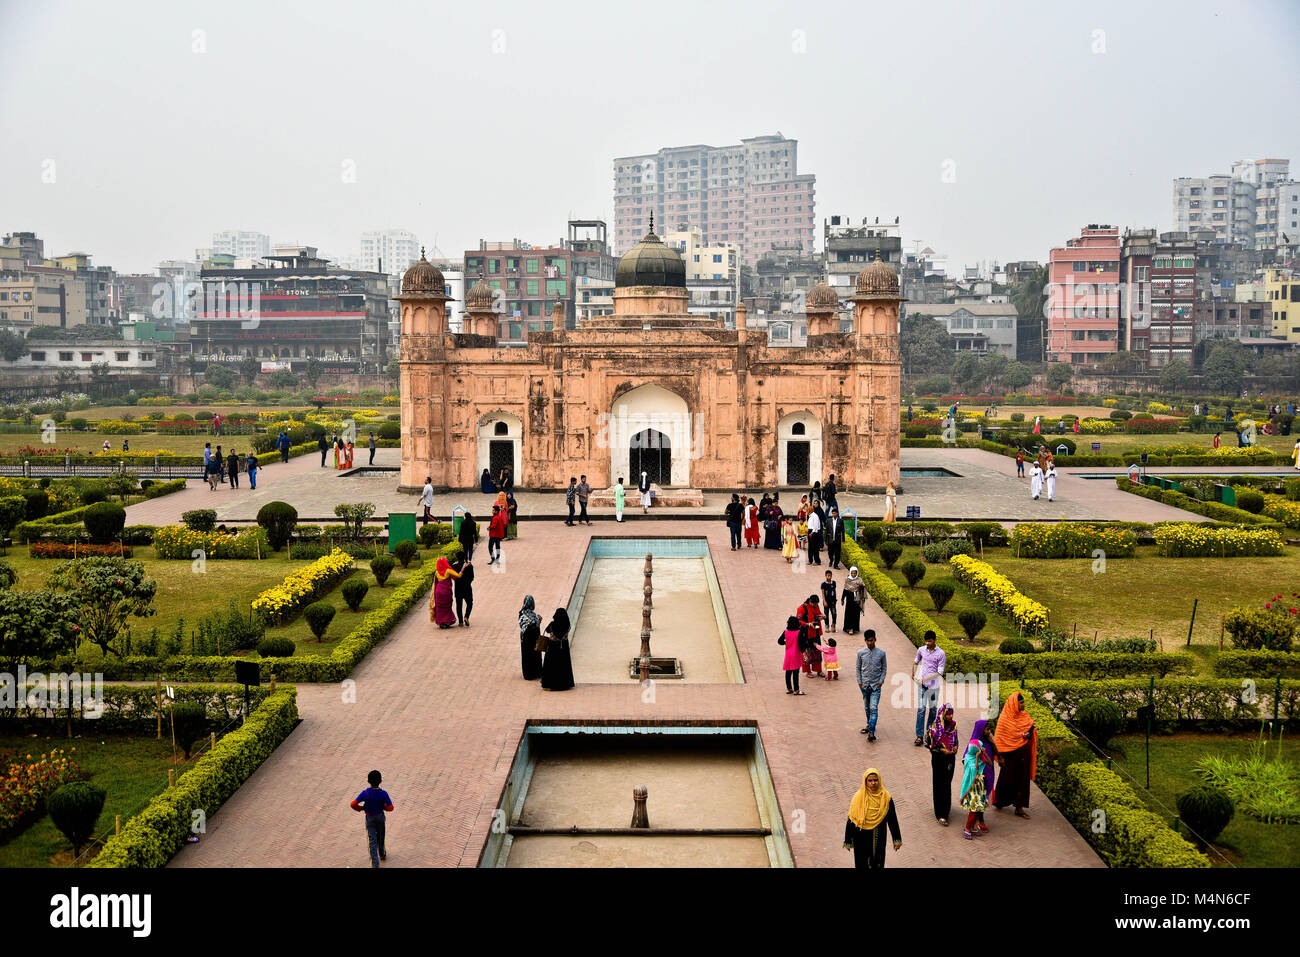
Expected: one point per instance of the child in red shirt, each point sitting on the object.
(497, 532)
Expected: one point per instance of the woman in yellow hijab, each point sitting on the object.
(870, 813)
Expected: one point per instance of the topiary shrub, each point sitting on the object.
(941, 593)
(354, 592)
(445, 535)
(871, 534)
(1017, 416)
(279, 520)
(405, 551)
(92, 494)
(913, 571)
(104, 521)
(1206, 811)
(972, 621)
(915, 431)
(1121, 415)
(200, 519)
(75, 809)
(1250, 500)
(890, 551)
(188, 719)
(319, 614)
(381, 566)
(428, 535)
(38, 503)
(1098, 720)
(1016, 646)
(275, 646)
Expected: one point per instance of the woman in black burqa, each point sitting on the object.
(557, 668)
(530, 629)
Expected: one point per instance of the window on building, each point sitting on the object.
(38, 356)
(512, 264)
(556, 287)
(532, 286)
(530, 265)
(122, 356)
(65, 356)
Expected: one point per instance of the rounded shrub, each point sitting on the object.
(275, 646)
(428, 535)
(75, 809)
(92, 494)
(354, 593)
(381, 566)
(389, 430)
(405, 551)
(871, 534)
(915, 432)
(279, 519)
(972, 621)
(1098, 720)
(1250, 500)
(1016, 646)
(913, 571)
(104, 521)
(890, 551)
(445, 535)
(189, 719)
(1121, 415)
(200, 519)
(1017, 416)
(319, 614)
(1206, 811)
(941, 593)
(38, 503)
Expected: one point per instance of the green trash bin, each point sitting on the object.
(850, 518)
(401, 528)
(457, 514)
(1227, 495)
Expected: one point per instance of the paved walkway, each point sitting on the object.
(984, 487)
(441, 714)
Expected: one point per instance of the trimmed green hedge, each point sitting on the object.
(1131, 836)
(1256, 663)
(1215, 510)
(1215, 701)
(153, 836)
(301, 669)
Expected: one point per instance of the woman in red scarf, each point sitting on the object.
(1016, 739)
(440, 609)
(810, 614)
(751, 524)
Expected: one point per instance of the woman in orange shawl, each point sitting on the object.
(1017, 743)
(440, 610)
(871, 811)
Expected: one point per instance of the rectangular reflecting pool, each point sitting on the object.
(934, 472)
(569, 798)
(688, 620)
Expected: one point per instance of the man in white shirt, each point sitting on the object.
(814, 538)
(426, 500)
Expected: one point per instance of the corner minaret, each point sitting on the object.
(875, 307)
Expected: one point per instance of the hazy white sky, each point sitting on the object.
(500, 119)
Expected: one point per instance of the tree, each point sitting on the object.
(100, 372)
(12, 346)
(35, 626)
(1118, 363)
(249, 367)
(109, 591)
(394, 370)
(1058, 374)
(1224, 367)
(993, 366)
(282, 379)
(1173, 377)
(219, 376)
(925, 344)
(313, 370)
(1017, 376)
(967, 372)
(1027, 296)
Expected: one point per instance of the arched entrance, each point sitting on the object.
(799, 449)
(651, 451)
(500, 437)
(650, 429)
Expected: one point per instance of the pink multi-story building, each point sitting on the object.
(1083, 298)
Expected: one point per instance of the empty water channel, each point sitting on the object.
(688, 620)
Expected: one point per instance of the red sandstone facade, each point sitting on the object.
(650, 388)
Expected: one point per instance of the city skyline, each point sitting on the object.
(1003, 161)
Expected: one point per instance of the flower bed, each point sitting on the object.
(179, 542)
(25, 785)
(1071, 540)
(1282, 510)
(1190, 540)
(76, 550)
(281, 603)
(984, 581)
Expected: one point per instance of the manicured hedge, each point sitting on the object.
(1221, 702)
(1132, 836)
(153, 836)
(1256, 663)
(1215, 510)
(165, 488)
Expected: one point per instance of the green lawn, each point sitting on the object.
(182, 591)
(1144, 594)
(1245, 841)
(344, 618)
(995, 629)
(132, 770)
(145, 442)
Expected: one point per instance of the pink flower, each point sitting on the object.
(1268, 604)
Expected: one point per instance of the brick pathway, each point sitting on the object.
(441, 714)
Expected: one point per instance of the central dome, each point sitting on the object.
(651, 263)
(423, 278)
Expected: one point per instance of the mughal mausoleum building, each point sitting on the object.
(650, 388)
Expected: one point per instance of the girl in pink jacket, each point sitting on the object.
(793, 654)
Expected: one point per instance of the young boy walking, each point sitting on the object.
(828, 601)
(374, 801)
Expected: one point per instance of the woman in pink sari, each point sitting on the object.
(440, 601)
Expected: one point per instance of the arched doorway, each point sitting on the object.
(799, 449)
(500, 436)
(650, 451)
(650, 428)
